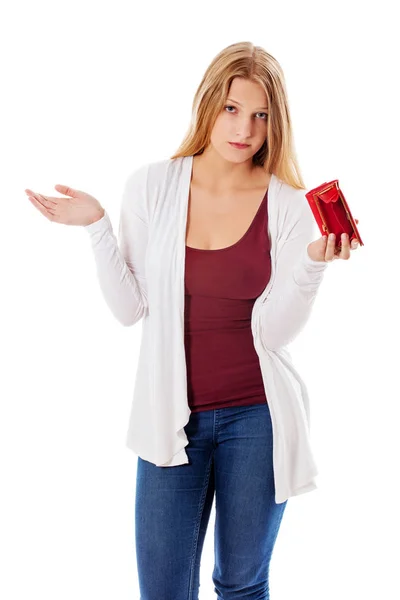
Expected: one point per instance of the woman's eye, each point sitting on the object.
(260, 113)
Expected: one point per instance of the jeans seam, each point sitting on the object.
(199, 515)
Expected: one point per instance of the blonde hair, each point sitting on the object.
(277, 155)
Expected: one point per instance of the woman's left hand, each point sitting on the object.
(323, 250)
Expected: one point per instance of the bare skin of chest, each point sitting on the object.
(217, 221)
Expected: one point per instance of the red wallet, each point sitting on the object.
(332, 212)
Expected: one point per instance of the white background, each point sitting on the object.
(91, 91)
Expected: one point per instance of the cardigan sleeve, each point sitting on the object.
(120, 262)
(288, 305)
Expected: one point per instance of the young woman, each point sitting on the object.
(215, 254)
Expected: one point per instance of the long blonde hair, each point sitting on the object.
(277, 155)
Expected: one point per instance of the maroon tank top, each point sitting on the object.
(221, 286)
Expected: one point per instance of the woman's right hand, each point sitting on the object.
(78, 209)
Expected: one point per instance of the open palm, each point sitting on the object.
(78, 209)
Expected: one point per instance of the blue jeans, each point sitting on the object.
(230, 454)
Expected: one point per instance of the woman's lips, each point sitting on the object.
(239, 146)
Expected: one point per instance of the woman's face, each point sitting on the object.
(243, 120)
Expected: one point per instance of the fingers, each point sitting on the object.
(330, 247)
(43, 204)
(44, 200)
(48, 213)
(354, 244)
(345, 249)
(67, 191)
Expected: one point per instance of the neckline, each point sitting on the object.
(191, 248)
(243, 236)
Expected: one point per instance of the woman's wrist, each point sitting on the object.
(99, 215)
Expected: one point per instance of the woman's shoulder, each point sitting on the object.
(164, 165)
(150, 173)
(291, 205)
(287, 194)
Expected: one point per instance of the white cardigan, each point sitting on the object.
(142, 277)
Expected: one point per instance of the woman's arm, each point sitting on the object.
(121, 264)
(297, 279)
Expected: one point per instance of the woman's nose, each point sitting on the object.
(244, 129)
